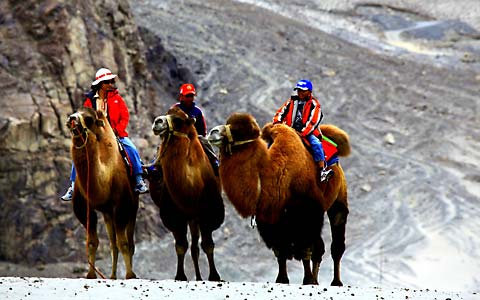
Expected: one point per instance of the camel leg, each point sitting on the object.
(318, 251)
(194, 249)
(181, 246)
(338, 220)
(282, 276)
(80, 210)
(307, 271)
(125, 249)
(130, 230)
(92, 240)
(208, 246)
(113, 244)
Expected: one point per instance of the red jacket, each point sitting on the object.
(117, 112)
(311, 116)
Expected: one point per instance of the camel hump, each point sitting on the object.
(339, 136)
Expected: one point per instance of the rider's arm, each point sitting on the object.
(314, 118)
(281, 112)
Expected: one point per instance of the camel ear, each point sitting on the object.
(267, 132)
(100, 114)
(99, 123)
(191, 121)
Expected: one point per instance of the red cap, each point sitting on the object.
(187, 88)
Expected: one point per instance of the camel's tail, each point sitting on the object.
(339, 136)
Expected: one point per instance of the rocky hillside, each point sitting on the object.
(49, 52)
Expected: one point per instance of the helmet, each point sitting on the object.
(304, 84)
(187, 88)
(102, 75)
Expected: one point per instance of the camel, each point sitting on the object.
(186, 191)
(280, 186)
(102, 185)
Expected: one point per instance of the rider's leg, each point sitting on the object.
(132, 153)
(69, 193)
(319, 157)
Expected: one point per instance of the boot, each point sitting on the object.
(325, 174)
(69, 194)
(141, 187)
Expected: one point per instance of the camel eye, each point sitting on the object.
(89, 121)
(177, 122)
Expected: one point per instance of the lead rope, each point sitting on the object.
(88, 202)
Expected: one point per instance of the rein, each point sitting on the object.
(231, 142)
(85, 130)
(171, 132)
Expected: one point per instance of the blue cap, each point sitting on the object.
(304, 85)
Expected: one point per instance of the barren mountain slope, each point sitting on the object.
(412, 118)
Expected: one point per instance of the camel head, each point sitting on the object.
(241, 128)
(85, 120)
(174, 122)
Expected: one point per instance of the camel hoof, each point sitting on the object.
(181, 277)
(113, 277)
(214, 277)
(336, 282)
(130, 275)
(282, 279)
(91, 275)
(309, 280)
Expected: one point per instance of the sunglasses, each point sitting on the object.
(189, 96)
(112, 81)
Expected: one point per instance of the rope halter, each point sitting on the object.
(231, 142)
(83, 130)
(170, 131)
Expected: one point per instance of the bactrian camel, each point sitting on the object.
(187, 191)
(102, 184)
(280, 186)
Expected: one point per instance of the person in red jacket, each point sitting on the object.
(303, 113)
(104, 96)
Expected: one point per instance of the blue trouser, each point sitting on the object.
(132, 154)
(317, 148)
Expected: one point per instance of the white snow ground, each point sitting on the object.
(16, 288)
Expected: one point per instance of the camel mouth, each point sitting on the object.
(160, 125)
(214, 137)
(73, 123)
(161, 131)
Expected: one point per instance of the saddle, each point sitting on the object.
(126, 159)
(329, 148)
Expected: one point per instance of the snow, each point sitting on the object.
(62, 288)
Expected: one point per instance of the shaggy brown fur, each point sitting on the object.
(280, 186)
(102, 184)
(188, 192)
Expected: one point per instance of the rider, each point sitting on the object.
(105, 97)
(303, 113)
(187, 104)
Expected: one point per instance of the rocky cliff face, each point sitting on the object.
(49, 52)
